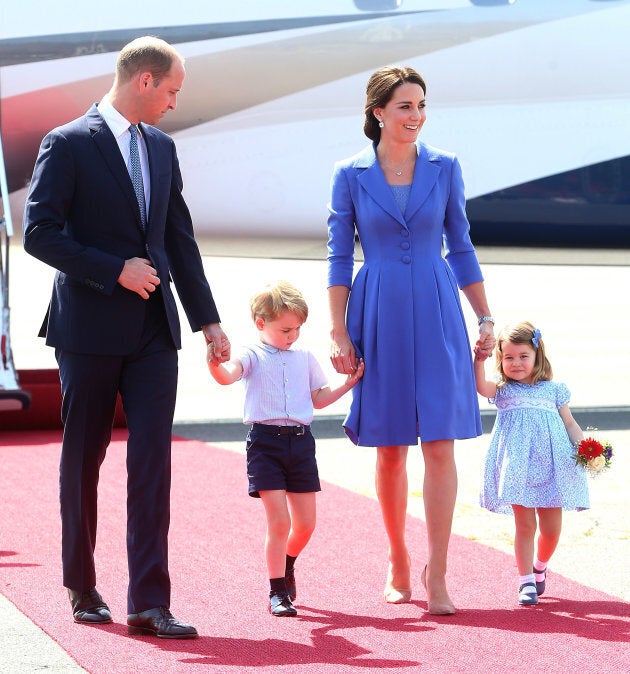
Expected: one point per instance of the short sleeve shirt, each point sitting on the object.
(278, 384)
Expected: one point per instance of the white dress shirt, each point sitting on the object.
(119, 126)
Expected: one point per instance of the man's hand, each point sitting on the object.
(218, 345)
(139, 276)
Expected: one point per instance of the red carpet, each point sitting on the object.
(219, 584)
(44, 411)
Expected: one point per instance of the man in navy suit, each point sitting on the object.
(113, 319)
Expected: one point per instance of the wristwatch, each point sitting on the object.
(485, 319)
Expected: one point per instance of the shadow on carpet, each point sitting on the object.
(220, 586)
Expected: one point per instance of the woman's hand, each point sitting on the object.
(480, 353)
(486, 341)
(342, 354)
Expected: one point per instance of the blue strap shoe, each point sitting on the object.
(527, 595)
(540, 585)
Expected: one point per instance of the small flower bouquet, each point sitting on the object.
(593, 456)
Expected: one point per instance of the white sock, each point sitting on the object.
(527, 580)
(539, 570)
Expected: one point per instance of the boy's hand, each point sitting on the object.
(354, 377)
(218, 352)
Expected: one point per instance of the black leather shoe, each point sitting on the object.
(89, 607)
(159, 622)
(280, 605)
(289, 581)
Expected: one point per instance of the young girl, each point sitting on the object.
(529, 470)
(282, 386)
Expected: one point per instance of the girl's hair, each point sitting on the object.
(379, 91)
(523, 333)
(275, 298)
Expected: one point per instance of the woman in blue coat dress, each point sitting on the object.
(402, 315)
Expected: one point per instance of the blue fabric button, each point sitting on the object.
(404, 232)
(405, 245)
(406, 259)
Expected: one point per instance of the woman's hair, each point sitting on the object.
(275, 298)
(523, 333)
(379, 91)
(146, 54)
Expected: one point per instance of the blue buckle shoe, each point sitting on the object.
(527, 595)
(540, 586)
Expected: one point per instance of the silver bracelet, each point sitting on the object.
(485, 319)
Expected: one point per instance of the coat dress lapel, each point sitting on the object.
(373, 181)
(425, 176)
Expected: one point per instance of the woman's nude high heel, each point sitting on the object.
(441, 607)
(395, 595)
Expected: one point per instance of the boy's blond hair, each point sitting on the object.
(275, 298)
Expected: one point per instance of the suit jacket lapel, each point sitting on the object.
(108, 147)
(153, 149)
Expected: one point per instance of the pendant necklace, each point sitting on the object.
(393, 170)
(400, 170)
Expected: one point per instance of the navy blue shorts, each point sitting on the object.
(281, 461)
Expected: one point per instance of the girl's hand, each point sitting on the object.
(480, 353)
(486, 340)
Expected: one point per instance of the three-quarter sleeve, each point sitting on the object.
(341, 230)
(459, 250)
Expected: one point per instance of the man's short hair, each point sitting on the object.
(146, 54)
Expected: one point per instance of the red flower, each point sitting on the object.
(589, 448)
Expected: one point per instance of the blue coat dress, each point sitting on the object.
(404, 315)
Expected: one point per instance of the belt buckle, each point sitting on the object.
(299, 430)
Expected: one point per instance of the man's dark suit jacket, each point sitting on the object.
(83, 219)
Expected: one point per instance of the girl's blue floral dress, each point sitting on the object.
(529, 459)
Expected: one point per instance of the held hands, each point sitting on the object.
(326, 396)
(486, 342)
(342, 355)
(354, 377)
(217, 344)
(480, 353)
(139, 276)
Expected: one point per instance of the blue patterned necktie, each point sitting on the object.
(136, 174)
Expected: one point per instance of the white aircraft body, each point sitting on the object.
(532, 95)
(520, 90)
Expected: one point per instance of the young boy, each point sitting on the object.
(282, 387)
